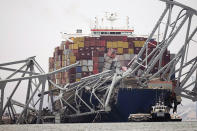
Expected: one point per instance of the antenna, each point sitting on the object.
(127, 22)
(96, 23)
(102, 21)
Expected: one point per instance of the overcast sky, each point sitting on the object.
(32, 27)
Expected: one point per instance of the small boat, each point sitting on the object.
(160, 112)
(139, 117)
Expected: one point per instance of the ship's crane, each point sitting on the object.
(102, 87)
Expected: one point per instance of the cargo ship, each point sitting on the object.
(96, 53)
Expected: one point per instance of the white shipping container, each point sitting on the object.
(58, 81)
(127, 57)
(80, 62)
(120, 57)
(66, 52)
(90, 62)
(90, 68)
(68, 62)
(84, 62)
(84, 68)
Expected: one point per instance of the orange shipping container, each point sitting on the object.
(109, 44)
(120, 50)
(72, 59)
(131, 51)
(114, 44)
(119, 44)
(71, 46)
(81, 44)
(78, 79)
(75, 46)
(125, 45)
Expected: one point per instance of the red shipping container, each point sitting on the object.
(91, 38)
(95, 59)
(95, 71)
(166, 52)
(152, 44)
(144, 39)
(60, 52)
(67, 45)
(101, 53)
(102, 49)
(97, 43)
(78, 56)
(57, 48)
(95, 53)
(124, 38)
(92, 43)
(107, 38)
(86, 44)
(130, 39)
(164, 62)
(95, 65)
(149, 50)
(125, 51)
(102, 43)
(75, 51)
(142, 68)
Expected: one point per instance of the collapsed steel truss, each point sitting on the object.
(35, 80)
(170, 32)
(101, 87)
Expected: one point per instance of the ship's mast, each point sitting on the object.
(111, 17)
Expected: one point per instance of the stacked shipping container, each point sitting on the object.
(95, 55)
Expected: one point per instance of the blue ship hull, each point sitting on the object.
(129, 101)
(132, 101)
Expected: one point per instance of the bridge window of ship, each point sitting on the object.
(112, 32)
(118, 32)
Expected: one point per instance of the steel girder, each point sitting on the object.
(151, 59)
(98, 88)
(101, 87)
(30, 65)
